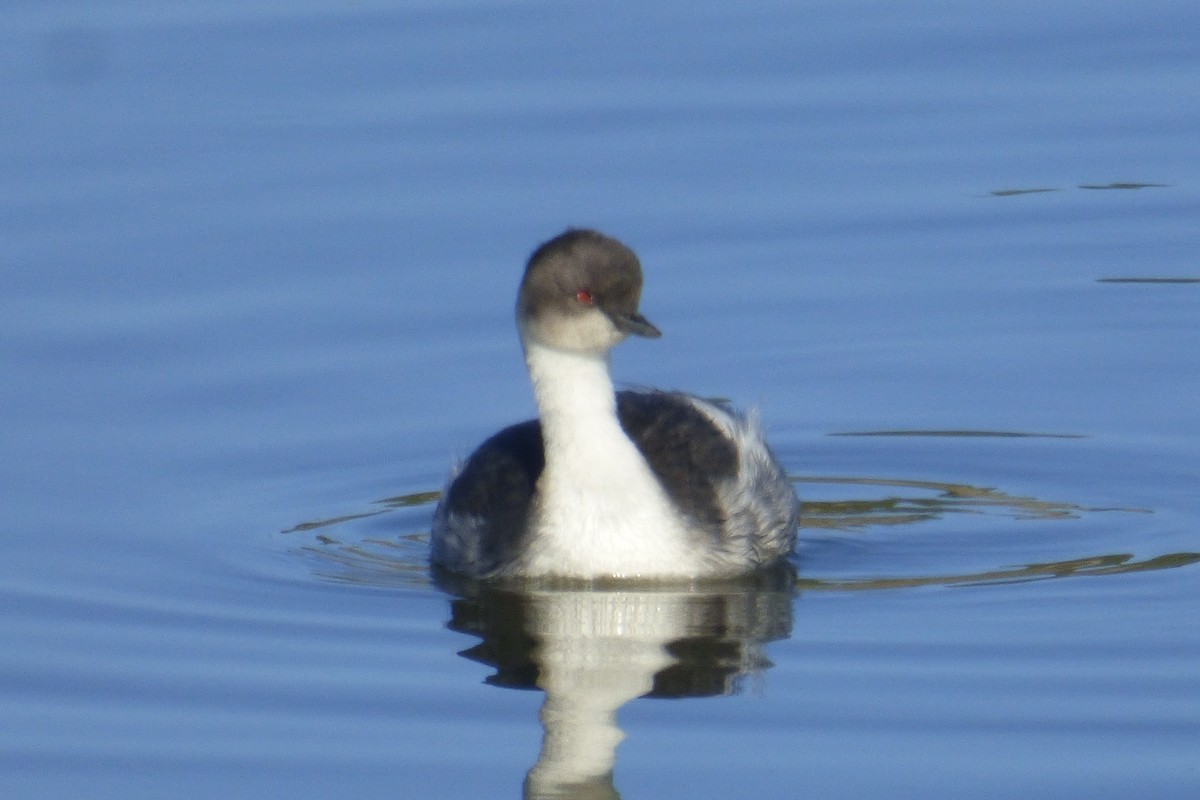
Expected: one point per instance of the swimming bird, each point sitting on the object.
(607, 484)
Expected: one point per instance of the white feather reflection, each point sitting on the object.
(593, 650)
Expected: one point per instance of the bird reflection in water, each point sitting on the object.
(593, 649)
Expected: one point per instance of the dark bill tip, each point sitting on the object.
(635, 324)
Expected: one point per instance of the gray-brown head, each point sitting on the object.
(580, 292)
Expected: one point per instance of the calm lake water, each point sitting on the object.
(256, 290)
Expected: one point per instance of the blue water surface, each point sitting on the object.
(256, 288)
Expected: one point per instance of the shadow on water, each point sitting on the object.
(593, 648)
(1118, 185)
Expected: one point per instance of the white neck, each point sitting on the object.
(600, 509)
(576, 402)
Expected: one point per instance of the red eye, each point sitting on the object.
(584, 296)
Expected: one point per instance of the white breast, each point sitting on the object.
(599, 510)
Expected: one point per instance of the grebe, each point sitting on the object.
(605, 484)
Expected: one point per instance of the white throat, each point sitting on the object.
(600, 511)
